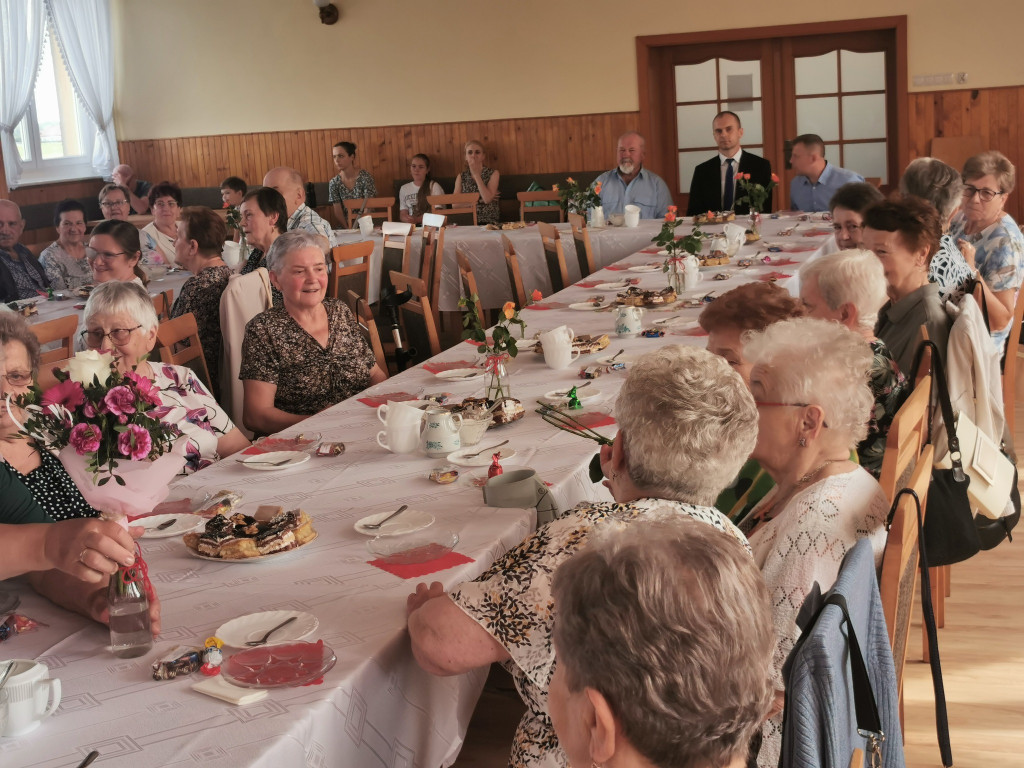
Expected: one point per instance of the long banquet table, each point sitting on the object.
(376, 707)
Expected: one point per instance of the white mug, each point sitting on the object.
(557, 346)
(365, 225)
(395, 411)
(401, 437)
(30, 695)
(631, 215)
(231, 253)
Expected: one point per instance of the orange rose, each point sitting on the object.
(775, 178)
(571, 180)
(597, 188)
(672, 209)
(554, 187)
(509, 310)
(670, 216)
(536, 295)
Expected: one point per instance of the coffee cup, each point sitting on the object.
(31, 696)
(404, 423)
(395, 411)
(365, 225)
(522, 489)
(631, 215)
(557, 346)
(231, 253)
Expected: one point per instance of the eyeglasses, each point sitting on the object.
(93, 255)
(986, 195)
(165, 204)
(762, 404)
(116, 335)
(837, 228)
(18, 378)
(113, 203)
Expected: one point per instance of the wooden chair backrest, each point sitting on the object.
(377, 208)
(908, 433)
(925, 368)
(554, 256)
(162, 303)
(180, 345)
(60, 329)
(581, 237)
(898, 578)
(45, 378)
(463, 203)
(36, 248)
(367, 326)
(515, 276)
(418, 306)
(468, 282)
(537, 197)
(350, 268)
(436, 269)
(396, 249)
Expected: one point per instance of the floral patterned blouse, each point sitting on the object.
(53, 489)
(364, 187)
(512, 601)
(890, 389)
(200, 295)
(309, 377)
(63, 269)
(486, 213)
(188, 406)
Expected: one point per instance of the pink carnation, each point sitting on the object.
(68, 394)
(145, 387)
(119, 401)
(85, 438)
(135, 442)
(89, 410)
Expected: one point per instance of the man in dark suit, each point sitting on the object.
(714, 187)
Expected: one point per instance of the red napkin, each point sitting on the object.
(549, 305)
(782, 262)
(588, 284)
(817, 233)
(375, 401)
(454, 365)
(416, 570)
(771, 277)
(478, 343)
(649, 250)
(592, 419)
(617, 268)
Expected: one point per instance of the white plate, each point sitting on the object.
(484, 459)
(613, 286)
(265, 461)
(461, 374)
(279, 555)
(237, 632)
(644, 268)
(182, 524)
(679, 323)
(607, 360)
(526, 343)
(555, 396)
(586, 306)
(407, 522)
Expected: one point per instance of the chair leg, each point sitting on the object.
(949, 579)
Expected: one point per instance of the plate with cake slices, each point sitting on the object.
(237, 632)
(242, 538)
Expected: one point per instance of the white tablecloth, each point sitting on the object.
(376, 707)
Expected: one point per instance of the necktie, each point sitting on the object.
(727, 197)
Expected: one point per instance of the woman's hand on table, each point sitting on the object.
(422, 594)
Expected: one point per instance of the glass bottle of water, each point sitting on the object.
(130, 633)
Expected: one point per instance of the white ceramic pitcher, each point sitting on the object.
(629, 321)
(441, 432)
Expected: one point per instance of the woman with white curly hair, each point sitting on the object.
(810, 383)
(686, 424)
(849, 288)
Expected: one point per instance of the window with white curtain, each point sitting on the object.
(55, 138)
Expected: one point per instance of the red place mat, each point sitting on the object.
(617, 268)
(650, 250)
(771, 277)
(416, 570)
(783, 262)
(817, 233)
(479, 343)
(449, 366)
(375, 401)
(592, 419)
(549, 305)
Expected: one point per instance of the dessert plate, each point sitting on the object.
(237, 632)
(557, 396)
(586, 306)
(608, 360)
(526, 343)
(182, 524)
(644, 268)
(619, 286)
(409, 521)
(268, 462)
(279, 555)
(279, 666)
(484, 459)
(461, 374)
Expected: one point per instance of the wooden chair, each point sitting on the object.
(908, 433)
(162, 303)
(45, 378)
(468, 282)
(515, 277)
(875, 181)
(377, 208)
(350, 268)
(538, 197)
(367, 326)
(1010, 365)
(554, 255)
(180, 345)
(463, 203)
(581, 236)
(396, 249)
(60, 329)
(423, 327)
(36, 248)
(432, 259)
(898, 580)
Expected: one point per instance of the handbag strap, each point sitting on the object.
(939, 373)
(941, 715)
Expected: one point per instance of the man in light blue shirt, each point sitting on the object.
(817, 179)
(632, 184)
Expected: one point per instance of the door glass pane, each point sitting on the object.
(863, 71)
(864, 116)
(696, 82)
(741, 80)
(820, 116)
(817, 74)
(21, 141)
(694, 125)
(750, 117)
(687, 162)
(866, 159)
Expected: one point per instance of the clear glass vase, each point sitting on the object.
(676, 275)
(498, 387)
(130, 632)
(754, 222)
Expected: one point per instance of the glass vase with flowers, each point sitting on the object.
(499, 348)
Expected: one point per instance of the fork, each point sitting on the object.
(271, 463)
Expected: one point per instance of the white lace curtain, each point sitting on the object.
(82, 32)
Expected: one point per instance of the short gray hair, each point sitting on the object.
(819, 362)
(936, 182)
(13, 327)
(671, 622)
(295, 240)
(115, 297)
(688, 423)
(853, 277)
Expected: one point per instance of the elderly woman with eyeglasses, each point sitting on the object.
(998, 256)
(849, 288)
(115, 205)
(120, 319)
(165, 203)
(705, 421)
(810, 383)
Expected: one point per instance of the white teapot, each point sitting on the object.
(629, 321)
(441, 432)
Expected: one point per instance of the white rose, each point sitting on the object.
(84, 366)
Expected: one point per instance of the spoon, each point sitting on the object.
(617, 354)
(473, 455)
(165, 525)
(271, 463)
(396, 513)
(578, 386)
(263, 640)
(89, 759)
(6, 674)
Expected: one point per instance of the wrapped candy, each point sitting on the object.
(574, 400)
(213, 657)
(495, 469)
